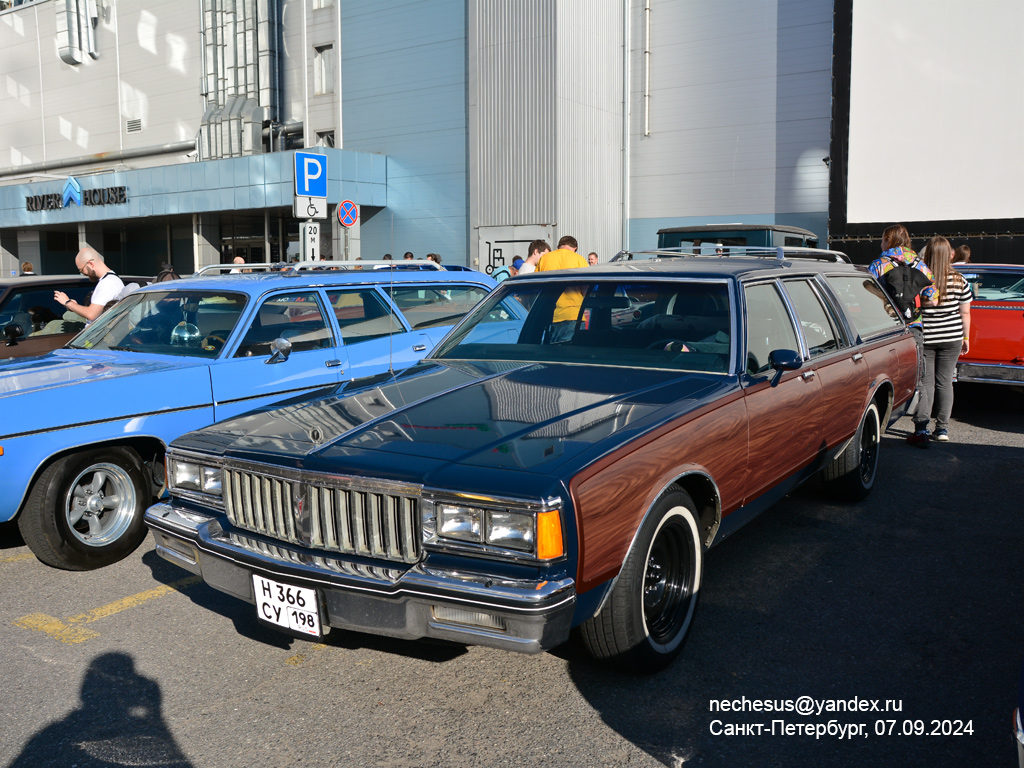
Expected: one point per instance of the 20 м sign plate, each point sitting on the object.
(293, 608)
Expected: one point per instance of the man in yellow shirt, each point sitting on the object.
(567, 308)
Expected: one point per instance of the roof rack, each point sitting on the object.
(780, 254)
(310, 266)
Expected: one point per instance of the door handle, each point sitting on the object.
(419, 348)
(333, 363)
(857, 357)
(807, 375)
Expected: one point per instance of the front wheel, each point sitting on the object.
(648, 614)
(851, 476)
(85, 510)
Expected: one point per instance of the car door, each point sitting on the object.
(842, 372)
(784, 422)
(376, 338)
(997, 317)
(248, 375)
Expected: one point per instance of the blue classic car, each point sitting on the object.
(562, 459)
(84, 428)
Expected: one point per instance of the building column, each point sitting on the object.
(205, 239)
(90, 235)
(9, 263)
(30, 248)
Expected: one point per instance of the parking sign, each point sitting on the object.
(310, 175)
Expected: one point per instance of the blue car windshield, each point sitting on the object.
(172, 322)
(683, 325)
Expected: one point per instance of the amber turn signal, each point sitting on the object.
(549, 535)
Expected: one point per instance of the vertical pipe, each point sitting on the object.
(305, 81)
(646, 69)
(626, 41)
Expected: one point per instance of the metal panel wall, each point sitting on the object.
(739, 114)
(512, 115)
(404, 95)
(147, 70)
(589, 124)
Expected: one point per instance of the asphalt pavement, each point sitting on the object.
(899, 621)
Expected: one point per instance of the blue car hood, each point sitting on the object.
(529, 417)
(67, 387)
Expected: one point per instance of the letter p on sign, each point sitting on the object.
(310, 175)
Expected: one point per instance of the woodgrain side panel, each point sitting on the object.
(612, 495)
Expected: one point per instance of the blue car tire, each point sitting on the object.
(85, 509)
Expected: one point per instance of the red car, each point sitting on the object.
(996, 354)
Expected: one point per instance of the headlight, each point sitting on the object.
(190, 476)
(464, 523)
(511, 529)
(535, 534)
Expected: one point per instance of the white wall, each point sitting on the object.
(936, 111)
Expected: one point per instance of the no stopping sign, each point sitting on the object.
(348, 213)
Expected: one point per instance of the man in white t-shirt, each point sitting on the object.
(108, 286)
(537, 249)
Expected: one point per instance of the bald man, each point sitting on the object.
(108, 285)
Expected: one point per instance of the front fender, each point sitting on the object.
(24, 457)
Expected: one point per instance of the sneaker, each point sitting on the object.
(919, 439)
(941, 435)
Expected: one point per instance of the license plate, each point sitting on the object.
(293, 608)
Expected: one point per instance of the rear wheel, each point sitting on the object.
(85, 510)
(851, 476)
(646, 619)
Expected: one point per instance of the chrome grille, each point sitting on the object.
(326, 516)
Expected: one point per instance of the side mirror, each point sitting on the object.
(282, 348)
(13, 332)
(783, 360)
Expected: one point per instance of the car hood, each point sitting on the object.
(500, 415)
(70, 386)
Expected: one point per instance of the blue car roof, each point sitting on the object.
(259, 283)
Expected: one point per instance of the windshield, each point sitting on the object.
(172, 322)
(674, 324)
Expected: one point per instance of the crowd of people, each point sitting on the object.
(939, 314)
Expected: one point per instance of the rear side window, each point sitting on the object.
(363, 314)
(866, 305)
(815, 323)
(427, 306)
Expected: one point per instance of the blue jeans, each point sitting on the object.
(937, 385)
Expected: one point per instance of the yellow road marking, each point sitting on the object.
(299, 658)
(70, 630)
(17, 558)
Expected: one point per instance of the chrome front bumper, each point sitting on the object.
(393, 599)
(990, 373)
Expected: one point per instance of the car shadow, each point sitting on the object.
(130, 731)
(908, 596)
(10, 536)
(243, 617)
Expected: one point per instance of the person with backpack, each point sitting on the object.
(910, 285)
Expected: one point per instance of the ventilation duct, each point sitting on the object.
(76, 30)
(240, 75)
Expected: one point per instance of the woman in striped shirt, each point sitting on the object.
(947, 325)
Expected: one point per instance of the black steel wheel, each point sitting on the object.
(649, 612)
(851, 476)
